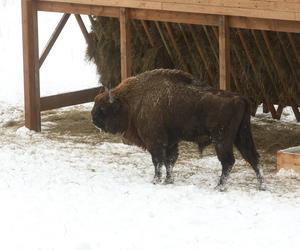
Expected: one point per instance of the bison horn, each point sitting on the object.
(111, 98)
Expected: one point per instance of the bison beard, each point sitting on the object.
(157, 109)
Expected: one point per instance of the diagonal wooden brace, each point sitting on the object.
(53, 38)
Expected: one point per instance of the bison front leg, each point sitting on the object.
(225, 156)
(170, 160)
(164, 155)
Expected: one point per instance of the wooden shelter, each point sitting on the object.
(264, 15)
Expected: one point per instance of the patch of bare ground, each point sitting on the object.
(74, 125)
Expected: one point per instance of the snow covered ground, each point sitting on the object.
(71, 187)
(85, 190)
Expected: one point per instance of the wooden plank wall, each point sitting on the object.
(271, 9)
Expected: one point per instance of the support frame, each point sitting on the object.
(31, 61)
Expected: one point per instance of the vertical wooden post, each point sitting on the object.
(224, 53)
(125, 44)
(31, 65)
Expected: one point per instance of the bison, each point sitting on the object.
(157, 109)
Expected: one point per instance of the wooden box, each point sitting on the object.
(289, 159)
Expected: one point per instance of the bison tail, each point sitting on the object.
(244, 140)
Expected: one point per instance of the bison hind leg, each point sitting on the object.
(157, 159)
(245, 144)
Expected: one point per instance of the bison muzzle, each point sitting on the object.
(157, 109)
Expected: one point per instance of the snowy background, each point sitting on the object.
(71, 187)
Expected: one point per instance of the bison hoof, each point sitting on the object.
(156, 180)
(169, 181)
(221, 188)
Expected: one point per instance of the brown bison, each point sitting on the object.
(157, 109)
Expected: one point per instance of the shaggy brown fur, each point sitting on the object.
(157, 109)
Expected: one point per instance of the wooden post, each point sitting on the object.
(125, 44)
(224, 53)
(31, 65)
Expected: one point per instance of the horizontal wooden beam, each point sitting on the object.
(271, 9)
(68, 99)
(264, 24)
(173, 16)
(143, 4)
(84, 9)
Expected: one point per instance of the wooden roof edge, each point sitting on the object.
(169, 16)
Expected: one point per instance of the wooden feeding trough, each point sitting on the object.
(222, 15)
(289, 159)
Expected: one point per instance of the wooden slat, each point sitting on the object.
(201, 53)
(125, 44)
(224, 53)
(192, 54)
(175, 46)
(83, 29)
(287, 56)
(53, 38)
(31, 65)
(296, 111)
(294, 47)
(291, 97)
(267, 105)
(147, 32)
(279, 111)
(164, 41)
(68, 99)
(211, 44)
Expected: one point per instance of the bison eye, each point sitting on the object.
(98, 113)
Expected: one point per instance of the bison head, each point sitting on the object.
(108, 113)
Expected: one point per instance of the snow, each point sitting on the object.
(286, 116)
(86, 192)
(66, 195)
